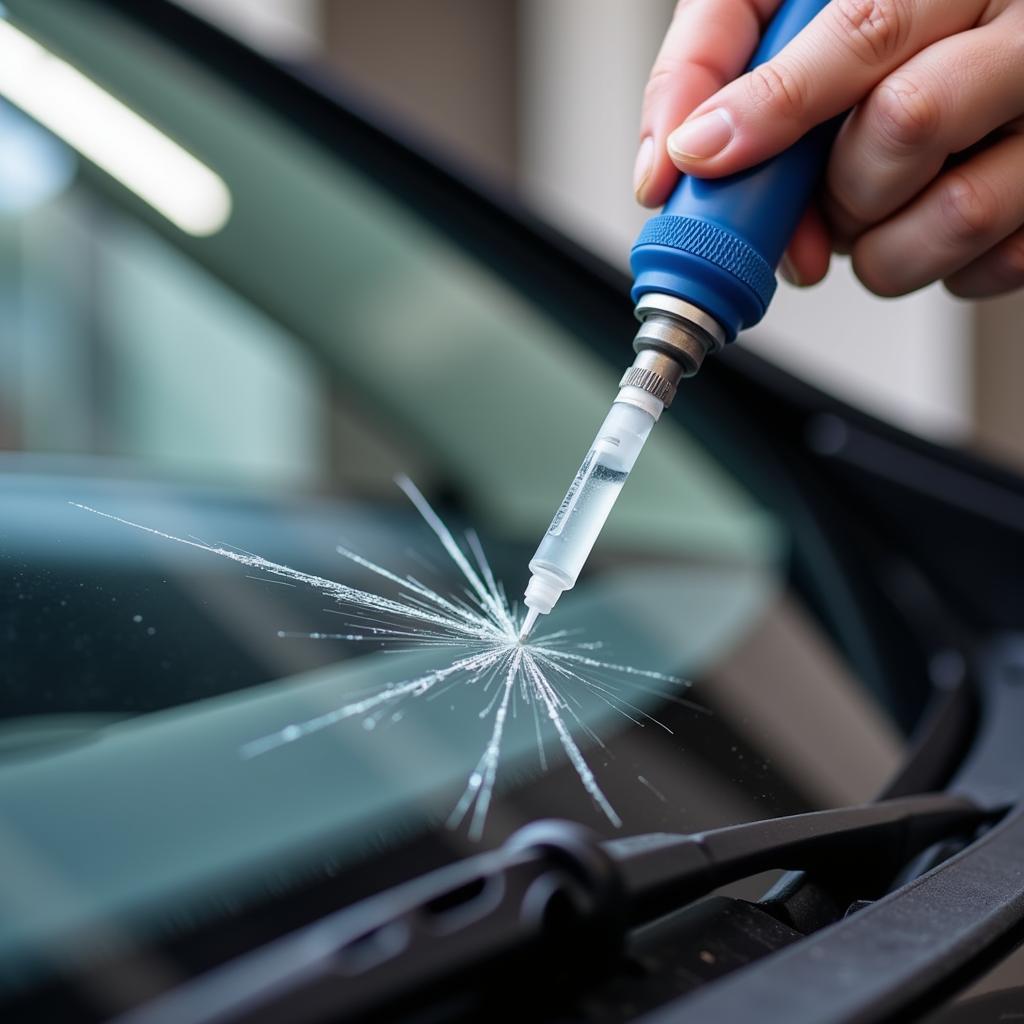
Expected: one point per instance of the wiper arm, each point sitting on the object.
(662, 872)
(552, 886)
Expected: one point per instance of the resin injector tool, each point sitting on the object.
(704, 271)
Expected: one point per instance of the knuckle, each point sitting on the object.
(908, 115)
(778, 90)
(874, 30)
(971, 210)
(659, 84)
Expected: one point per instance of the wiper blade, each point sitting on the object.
(552, 886)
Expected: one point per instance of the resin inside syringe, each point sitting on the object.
(569, 539)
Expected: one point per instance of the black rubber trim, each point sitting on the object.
(884, 958)
(896, 953)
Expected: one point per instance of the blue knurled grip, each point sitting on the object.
(716, 243)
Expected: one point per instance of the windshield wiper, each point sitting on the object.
(552, 887)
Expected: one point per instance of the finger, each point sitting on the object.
(946, 99)
(807, 259)
(829, 67)
(998, 271)
(962, 215)
(708, 43)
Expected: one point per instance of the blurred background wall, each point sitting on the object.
(541, 98)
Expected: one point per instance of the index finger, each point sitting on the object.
(849, 47)
(708, 43)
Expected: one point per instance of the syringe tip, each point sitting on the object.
(528, 623)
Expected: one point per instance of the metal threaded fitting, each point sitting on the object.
(672, 342)
(650, 381)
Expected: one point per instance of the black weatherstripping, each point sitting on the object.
(550, 889)
(903, 952)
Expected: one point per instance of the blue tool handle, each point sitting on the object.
(716, 244)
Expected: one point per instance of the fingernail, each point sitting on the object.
(788, 271)
(702, 138)
(643, 165)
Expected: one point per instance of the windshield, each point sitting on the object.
(220, 673)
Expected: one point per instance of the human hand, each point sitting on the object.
(926, 178)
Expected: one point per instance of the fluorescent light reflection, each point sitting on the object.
(111, 135)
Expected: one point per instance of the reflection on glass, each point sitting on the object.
(111, 135)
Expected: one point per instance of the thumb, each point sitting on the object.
(849, 47)
(708, 44)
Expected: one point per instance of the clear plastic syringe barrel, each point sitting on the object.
(569, 539)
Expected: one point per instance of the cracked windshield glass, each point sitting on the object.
(278, 446)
